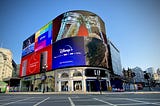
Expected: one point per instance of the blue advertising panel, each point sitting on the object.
(28, 46)
(68, 52)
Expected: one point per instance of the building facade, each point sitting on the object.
(150, 70)
(155, 78)
(115, 59)
(80, 79)
(115, 67)
(6, 67)
(70, 53)
(139, 75)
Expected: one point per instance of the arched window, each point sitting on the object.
(77, 74)
(64, 75)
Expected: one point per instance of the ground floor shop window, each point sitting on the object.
(64, 86)
(77, 85)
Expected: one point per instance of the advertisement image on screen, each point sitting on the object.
(68, 52)
(28, 46)
(43, 37)
(56, 27)
(33, 63)
(24, 67)
(29, 65)
(81, 23)
(96, 52)
(43, 60)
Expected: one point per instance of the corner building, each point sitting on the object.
(6, 67)
(74, 48)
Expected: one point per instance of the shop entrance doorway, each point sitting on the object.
(91, 85)
(27, 86)
(94, 85)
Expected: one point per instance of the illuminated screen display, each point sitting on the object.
(80, 23)
(68, 52)
(43, 37)
(32, 64)
(96, 52)
(74, 38)
(28, 46)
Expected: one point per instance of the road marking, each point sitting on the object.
(105, 102)
(141, 101)
(81, 99)
(71, 102)
(133, 100)
(145, 99)
(128, 104)
(76, 96)
(41, 101)
(6, 99)
(16, 101)
(91, 105)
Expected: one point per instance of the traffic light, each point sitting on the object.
(146, 76)
(129, 73)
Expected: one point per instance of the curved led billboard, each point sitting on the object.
(74, 38)
(79, 51)
(96, 52)
(80, 23)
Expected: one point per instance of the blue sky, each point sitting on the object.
(132, 25)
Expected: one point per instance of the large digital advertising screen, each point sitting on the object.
(28, 46)
(80, 23)
(74, 38)
(56, 27)
(33, 63)
(43, 37)
(96, 52)
(68, 52)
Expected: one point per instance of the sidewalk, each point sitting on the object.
(133, 92)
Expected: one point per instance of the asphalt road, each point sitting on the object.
(120, 99)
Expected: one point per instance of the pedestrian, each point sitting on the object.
(43, 90)
(47, 88)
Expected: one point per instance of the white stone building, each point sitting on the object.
(6, 67)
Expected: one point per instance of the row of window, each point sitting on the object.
(88, 73)
(75, 74)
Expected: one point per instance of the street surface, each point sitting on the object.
(115, 99)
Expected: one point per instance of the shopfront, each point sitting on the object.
(68, 79)
(80, 79)
(35, 83)
(94, 85)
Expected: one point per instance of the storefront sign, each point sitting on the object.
(95, 72)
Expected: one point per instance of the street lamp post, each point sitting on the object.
(43, 77)
(97, 74)
(147, 77)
